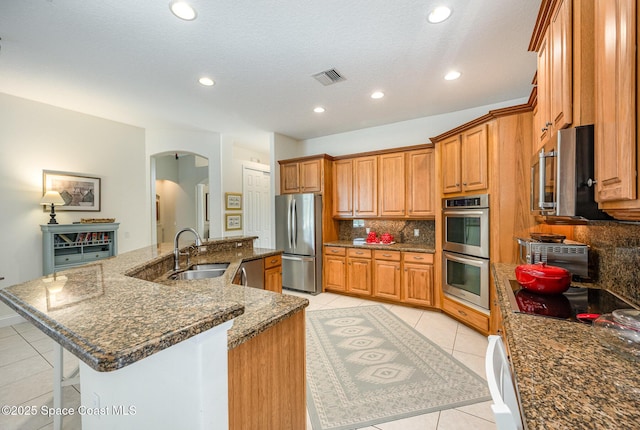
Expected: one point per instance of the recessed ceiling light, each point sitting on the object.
(183, 10)
(439, 14)
(452, 75)
(207, 82)
(318, 109)
(377, 95)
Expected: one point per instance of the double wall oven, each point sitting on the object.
(465, 250)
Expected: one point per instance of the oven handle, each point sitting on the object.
(474, 261)
(465, 212)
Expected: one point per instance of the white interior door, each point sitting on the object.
(257, 204)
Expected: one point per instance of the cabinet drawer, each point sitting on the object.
(272, 261)
(67, 259)
(417, 257)
(466, 314)
(359, 253)
(95, 255)
(387, 255)
(335, 250)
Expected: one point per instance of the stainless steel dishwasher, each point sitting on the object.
(252, 273)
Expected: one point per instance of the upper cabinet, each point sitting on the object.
(392, 178)
(616, 150)
(421, 189)
(464, 161)
(563, 40)
(555, 56)
(305, 175)
(390, 184)
(365, 186)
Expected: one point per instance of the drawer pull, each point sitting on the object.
(463, 313)
(386, 255)
(334, 251)
(275, 260)
(359, 252)
(418, 258)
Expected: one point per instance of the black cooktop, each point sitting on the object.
(575, 304)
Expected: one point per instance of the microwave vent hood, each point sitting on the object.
(562, 179)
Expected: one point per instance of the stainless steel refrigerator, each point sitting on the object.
(299, 234)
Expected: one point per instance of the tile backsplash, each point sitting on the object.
(615, 247)
(402, 230)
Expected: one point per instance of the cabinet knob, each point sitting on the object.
(591, 182)
(548, 124)
(543, 129)
(464, 183)
(457, 184)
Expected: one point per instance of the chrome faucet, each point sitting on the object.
(176, 250)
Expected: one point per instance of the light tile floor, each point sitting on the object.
(465, 344)
(26, 363)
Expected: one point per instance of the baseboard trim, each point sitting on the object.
(8, 320)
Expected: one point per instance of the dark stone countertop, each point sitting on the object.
(566, 379)
(407, 247)
(110, 320)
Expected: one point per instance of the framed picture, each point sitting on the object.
(233, 201)
(80, 193)
(233, 222)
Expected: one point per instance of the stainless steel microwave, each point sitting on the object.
(562, 176)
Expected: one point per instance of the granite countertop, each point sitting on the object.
(566, 379)
(110, 320)
(408, 247)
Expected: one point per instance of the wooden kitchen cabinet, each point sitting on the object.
(365, 190)
(467, 315)
(391, 180)
(335, 269)
(555, 73)
(417, 280)
(359, 271)
(386, 274)
(266, 379)
(273, 273)
(464, 161)
(421, 190)
(616, 154)
(304, 175)
(343, 188)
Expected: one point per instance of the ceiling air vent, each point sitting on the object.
(329, 77)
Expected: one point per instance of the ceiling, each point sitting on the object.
(135, 62)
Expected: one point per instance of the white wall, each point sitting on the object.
(233, 157)
(36, 137)
(405, 133)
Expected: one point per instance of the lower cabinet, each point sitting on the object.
(466, 315)
(393, 276)
(417, 281)
(359, 271)
(386, 274)
(273, 273)
(267, 387)
(335, 269)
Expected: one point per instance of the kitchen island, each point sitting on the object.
(122, 314)
(565, 378)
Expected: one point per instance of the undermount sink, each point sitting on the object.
(201, 271)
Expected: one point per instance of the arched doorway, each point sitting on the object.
(180, 183)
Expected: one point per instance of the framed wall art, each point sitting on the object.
(80, 192)
(233, 222)
(233, 201)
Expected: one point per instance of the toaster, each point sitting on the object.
(570, 255)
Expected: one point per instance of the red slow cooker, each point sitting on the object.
(543, 279)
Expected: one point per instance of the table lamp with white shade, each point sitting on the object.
(52, 198)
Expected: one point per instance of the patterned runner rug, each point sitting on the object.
(367, 366)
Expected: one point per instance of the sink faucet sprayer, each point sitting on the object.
(176, 251)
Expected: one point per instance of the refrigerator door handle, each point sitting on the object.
(295, 224)
(289, 209)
